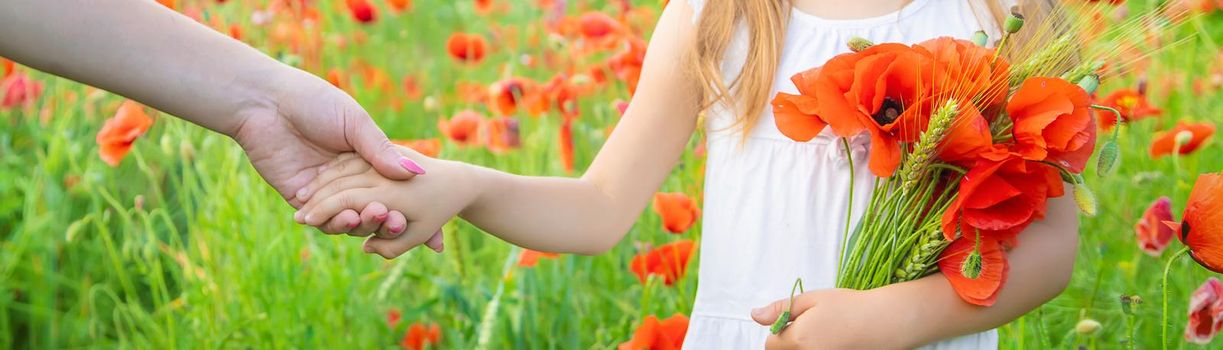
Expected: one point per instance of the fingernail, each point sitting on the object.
(302, 193)
(368, 249)
(352, 225)
(758, 312)
(380, 218)
(308, 218)
(297, 216)
(396, 229)
(411, 166)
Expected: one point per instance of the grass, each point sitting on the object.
(210, 257)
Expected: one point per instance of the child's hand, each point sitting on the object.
(427, 202)
(832, 319)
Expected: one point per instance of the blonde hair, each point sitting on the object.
(748, 93)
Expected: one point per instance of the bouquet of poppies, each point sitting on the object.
(966, 148)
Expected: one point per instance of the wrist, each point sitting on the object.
(905, 321)
(260, 91)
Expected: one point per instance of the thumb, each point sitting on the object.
(768, 314)
(372, 144)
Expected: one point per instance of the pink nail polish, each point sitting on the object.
(380, 218)
(396, 229)
(302, 193)
(411, 166)
(352, 225)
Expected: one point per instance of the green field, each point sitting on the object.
(183, 245)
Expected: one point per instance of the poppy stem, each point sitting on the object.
(1116, 114)
(849, 209)
(1163, 325)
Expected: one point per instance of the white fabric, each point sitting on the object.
(775, 208)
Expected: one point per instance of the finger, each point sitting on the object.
(768, 314)
(395, 224)
(337, 168)
(389, 248)
(343, 157)
(372, 218)
(342, 222)
(340, 185)
(375, 148)
(318, 211)
(437, 243)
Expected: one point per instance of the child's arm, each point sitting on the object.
(590, 214)
(927, 310)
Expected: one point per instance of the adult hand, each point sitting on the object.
(832, 319)
(310, 123)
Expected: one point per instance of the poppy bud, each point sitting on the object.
(1129, 303)
(166, 147)
(1183, 137)
(972, 264)
(858, 44)
(1090, 83)
(781, 322)
(1013, 22)
(1087, 326)
(1110, 158)
(1085, 199)
(980, 38)
(430, 103)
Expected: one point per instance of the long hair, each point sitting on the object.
(747, 94)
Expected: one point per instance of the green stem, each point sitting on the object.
(1163, 325)
(849, 209)
(1116, 114)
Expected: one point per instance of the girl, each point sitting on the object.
(773, 207)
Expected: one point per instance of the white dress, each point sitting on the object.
(775, 208)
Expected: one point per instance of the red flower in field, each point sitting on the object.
(400, 5)
(1053, 122)
(172, 4)
(484, 6)
(1153, 236)
(626, 64)
(1201, 228)
(392, 317)
(566, 140)
(1132, 104)
(362, 10)
(500, 134)
(859, 92)
(977, 271)
(1001, 198)
(411, 88)
(528, 258)
(653, 334)
(428, 147)
(669, 261)
(678, 212)
(467, 48)
(419, 335)
(1205, 312)
(117, 135)
(462, 128)
(19, 89)
(9, 67)
(1165, 143)
(505, 96)
(596, 26)
(560, 94)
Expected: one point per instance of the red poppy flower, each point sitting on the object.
(19, 89)
(9, 67)
(969, 139)
(677, 210)
(1165, 143)
(419, 335)
(505, 96)
(1205, 312)
(500, 134)
(463, 128)
(653, 334)
(428, 147)
(1132, 104)
(411, 87)
(1001, 198)
(528, 258)
(626, 63)
(1152, 234)
(596, 26)
(362, 11)
(484, 6)
(968, 72)
(119, 132)
(467, 48)
(400, 5)
(1201, 228)
(977, 273)
(865, 91)
(566, 140)
(392, 317)
(669, 261)
(1053, 122)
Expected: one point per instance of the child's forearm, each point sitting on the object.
(549, 213)
(144, 51)
(928, 310)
